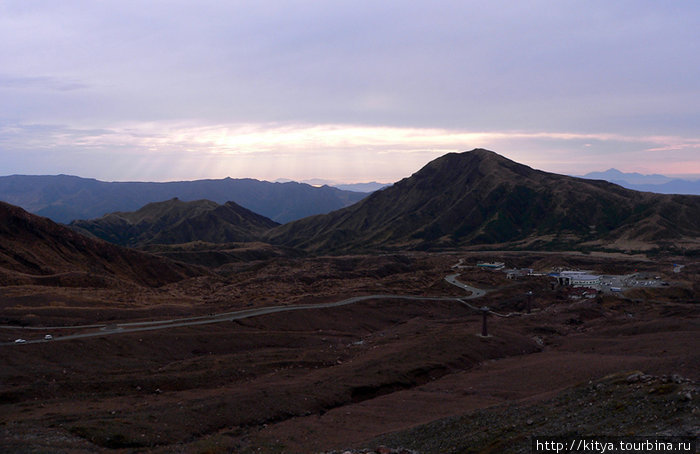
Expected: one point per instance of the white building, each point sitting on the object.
(491, 265)
(578, 279)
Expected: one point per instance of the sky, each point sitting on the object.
(345, 91)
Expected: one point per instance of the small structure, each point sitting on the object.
(577, 293)
(484, 329)
(517, 273)
(491, 265)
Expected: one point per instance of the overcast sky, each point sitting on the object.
(345, 90)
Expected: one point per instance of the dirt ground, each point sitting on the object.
(329, 378)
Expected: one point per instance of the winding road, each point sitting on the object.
(112, 329)
(475, 292)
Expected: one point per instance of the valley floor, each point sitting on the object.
(378, 372)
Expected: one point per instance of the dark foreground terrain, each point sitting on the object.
(406, 374)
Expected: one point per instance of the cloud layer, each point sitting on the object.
(297, 87)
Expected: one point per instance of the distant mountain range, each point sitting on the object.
(362, 187)
(460, 200)
(355, 187)
(479, 197)
(659, 184)
(35, 250)
(177, 222)
(66, 198)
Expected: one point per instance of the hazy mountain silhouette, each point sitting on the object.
(65, 198)
(659, 184)
(176, 222)
(36, 250)
(479, 197)
(362, 187)
(616, 176)
(672, 187)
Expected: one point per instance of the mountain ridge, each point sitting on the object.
(177, 222)
(36, 250)
(480, 197)
(65, 198)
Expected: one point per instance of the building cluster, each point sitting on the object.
(564, 278)
(576, 279)
(579, 283)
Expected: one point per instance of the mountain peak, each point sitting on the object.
(472, 166)
(482, 152)
(481, 197)
(475, 155)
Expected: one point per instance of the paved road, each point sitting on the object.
(105, 330)
(475, 292)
